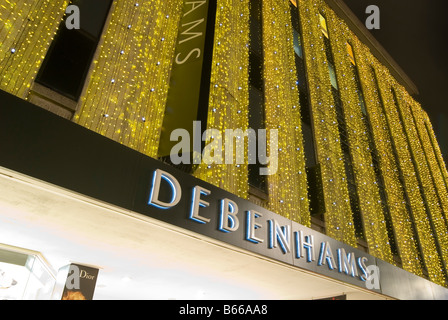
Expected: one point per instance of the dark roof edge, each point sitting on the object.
(364, 35)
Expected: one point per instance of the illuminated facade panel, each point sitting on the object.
(356, 154)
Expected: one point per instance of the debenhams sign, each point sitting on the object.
(198, 206)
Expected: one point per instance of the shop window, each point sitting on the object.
(24, 275)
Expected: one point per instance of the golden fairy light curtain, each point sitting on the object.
(369, 198)
(338, 215)
(434, 221)
(421, 221)
(125, 97)
(287, 188)
(395, 130)
(26, 31)
(229, 95)
(417, 171)
(400, 215)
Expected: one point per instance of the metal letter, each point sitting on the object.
(251, 226)
(175, 188)
(198, 202)
(228, 220)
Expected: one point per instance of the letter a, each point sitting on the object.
(72, 21)
(373, 21)
(373, 279)
(72, 281)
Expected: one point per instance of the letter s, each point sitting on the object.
(188, 56)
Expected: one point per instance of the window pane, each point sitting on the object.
(67, 62)
(333, 79)
(323, 25)
(297, 44)
(350, 53)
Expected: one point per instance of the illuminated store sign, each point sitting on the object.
(246, 225)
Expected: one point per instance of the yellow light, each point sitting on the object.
(129, 79)
(26, 31)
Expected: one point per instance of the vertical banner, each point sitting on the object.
(75, 282)
(190, 75)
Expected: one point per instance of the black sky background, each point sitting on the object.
(414, 32)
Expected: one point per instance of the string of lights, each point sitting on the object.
(126, 94)
(229, 94)
(27, 29)
(370, 201)
(338, 216)
(400, 216)
(420, 217)
(282, 113)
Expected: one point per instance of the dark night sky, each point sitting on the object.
(414, 32)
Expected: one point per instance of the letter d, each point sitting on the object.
(175, 190)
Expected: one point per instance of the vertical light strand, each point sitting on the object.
(425, 175)
(287, 187)
(338, 214)
(26, 31)
(438, 152)
(436, 168)
(368, 192)
(127, 89)
(421, 219)
(434, 151)
(229, 96)
(401, 221)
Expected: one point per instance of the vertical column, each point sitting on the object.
(287, 186)
(436, 149)
(26, 31)
(425, 174)
(229, 94)
(338, 215)
(396, 199)
(412, 188)
(435, 161)
(125, 97)
(369, 198)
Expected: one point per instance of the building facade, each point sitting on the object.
(356, 157)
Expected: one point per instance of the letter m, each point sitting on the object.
(347, 263)
(191, 35)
